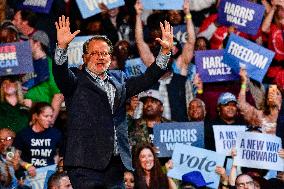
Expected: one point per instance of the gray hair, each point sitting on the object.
(97, 38)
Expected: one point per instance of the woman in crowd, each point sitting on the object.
(148, 173)
(39, 143)
(129, 180)
(266, 119)
(13, 107)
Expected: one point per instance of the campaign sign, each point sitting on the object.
(134, 67)
(181, 34)
(244, 53)
(89, 8)
(39, 181)
(15, 58)
(41, 6)
(40, 74)
(162, 4)
(187, 158)
(210, 66)
(225, 137)
(75, 51)
(167, 134)
(257, 150)
(242, 14)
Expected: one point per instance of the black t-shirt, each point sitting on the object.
(38, 148)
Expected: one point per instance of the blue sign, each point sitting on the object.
(41, 6)
(89, 8)
(40, 74)
(187, 158)
(15, 58)
(134, 67)
(259, 151)
(162, 4)
(166, 135)
(244, 53)
(242, 14)
(181, 34)
(75, 51)
(210, 66)
(42, 174)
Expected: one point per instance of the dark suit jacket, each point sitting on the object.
(90, 126)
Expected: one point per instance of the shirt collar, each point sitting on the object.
(96, 77)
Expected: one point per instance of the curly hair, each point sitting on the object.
(158, 180)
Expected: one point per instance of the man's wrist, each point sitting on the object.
(62, 46)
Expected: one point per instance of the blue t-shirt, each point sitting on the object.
(38, 148)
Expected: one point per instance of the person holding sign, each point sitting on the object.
(97, 148)
(266, 119)
(175, 89)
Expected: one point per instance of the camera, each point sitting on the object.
(10, 153)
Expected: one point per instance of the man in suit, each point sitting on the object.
(97, 149)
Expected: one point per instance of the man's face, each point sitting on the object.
(65, 183)
(6, 140)
(152, 107)
(18, 21)
(97, 58)
(228, 111)
(244, 182)
(196, 111)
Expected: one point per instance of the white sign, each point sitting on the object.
(258, 150)
(225, 137)
(187, 158)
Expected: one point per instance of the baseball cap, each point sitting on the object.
(150, 93)
(195, 178)
(42, 37)
(225, 98)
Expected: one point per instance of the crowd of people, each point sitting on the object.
(99, 123)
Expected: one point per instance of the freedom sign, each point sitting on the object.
(242, 52)
(162, 4)
(41, 6)
(134, 67)
(259, 151)
(15, 58)
(242, 14)
(181, 34)
(166, 135)
(187, 158)
(226, 136)
(89, 8)
(75, 51)
(210, 66)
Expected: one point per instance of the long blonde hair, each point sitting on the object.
(20, 96)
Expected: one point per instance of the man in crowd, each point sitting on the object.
(142, 129)
(25, 21)
(95, 99)
(227, 115)
(44, 88)
(196, 110)
(59, 181)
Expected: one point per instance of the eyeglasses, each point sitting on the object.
(97, 53)
(6, 139)
(243, 184)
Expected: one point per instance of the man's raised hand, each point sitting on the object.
(167, 40)
(64, 36)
